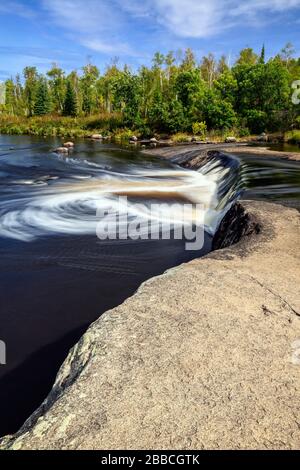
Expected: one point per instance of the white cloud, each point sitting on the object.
(95, 24)
(202, 18)
(109, 26)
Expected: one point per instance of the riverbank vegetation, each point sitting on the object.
(175, 95)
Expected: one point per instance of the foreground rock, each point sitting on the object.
(200, 357)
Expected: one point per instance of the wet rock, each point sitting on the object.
(236, 224)
(61, 150)
(97, 136)
(230, 140)
(133, 138)
(153, 140)
(68, 144)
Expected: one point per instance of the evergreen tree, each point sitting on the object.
(42, 101)
(70, 103)
(262, 55)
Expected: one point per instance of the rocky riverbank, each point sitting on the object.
(204, 356)
(187, 153)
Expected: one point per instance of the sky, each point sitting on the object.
(73, 32)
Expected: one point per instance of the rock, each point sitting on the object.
(68, 144)
(262, 137)
(230, 140)
(199, 357)
(133, 138)
(61, 150)
(97, 136)
(153, 140)
(235, 225)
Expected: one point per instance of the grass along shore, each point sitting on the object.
(111, 126)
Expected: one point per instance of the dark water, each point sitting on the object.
(284, 147)
(271, 178)
(55, 284)
(56, 276)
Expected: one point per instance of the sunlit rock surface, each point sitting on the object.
(201, 357)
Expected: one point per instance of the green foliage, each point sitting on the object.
(57, 84)
(200, 128)
(247, 57)
(123, 134)
(42, 98)
(293, 137)
(218, 113)
(174, 95)
(262, 55)
(181, 137)
(30, 89)
(10, 98)
(70, 103)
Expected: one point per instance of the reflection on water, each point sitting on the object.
(270, 178)
(56, 277)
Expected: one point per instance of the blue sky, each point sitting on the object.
(69, 32)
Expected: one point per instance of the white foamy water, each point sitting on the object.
(69, 205)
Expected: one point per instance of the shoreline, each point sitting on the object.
(171, 152)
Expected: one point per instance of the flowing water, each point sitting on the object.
(56, 276)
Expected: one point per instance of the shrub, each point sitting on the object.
(123, 135)
(181, 137)
(293, 136)
(200, 128)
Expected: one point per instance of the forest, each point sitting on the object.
(177, 94)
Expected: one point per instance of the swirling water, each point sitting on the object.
(56, 276)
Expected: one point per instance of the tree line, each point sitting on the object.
(176, 93)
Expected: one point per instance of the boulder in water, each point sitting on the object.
(262, 137)
(133, 138)
(68, 144)
(153, 140)
(230, 140)
(97, 136)
(61, 150)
